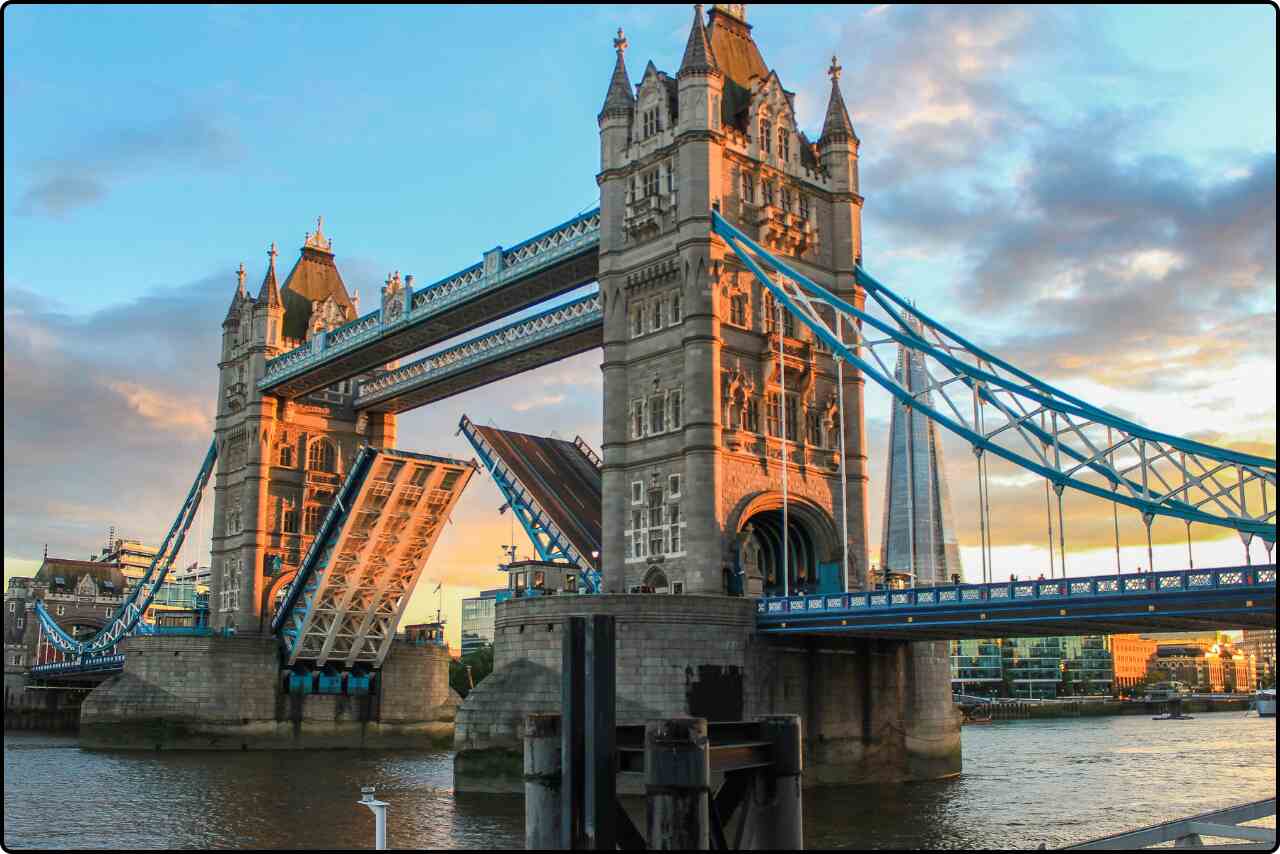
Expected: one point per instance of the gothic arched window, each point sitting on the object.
(320, 456)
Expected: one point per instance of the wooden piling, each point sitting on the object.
(542, 782)
(781, 825)
(677, 784)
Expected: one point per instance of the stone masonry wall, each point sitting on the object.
(226, 693)
(872, 711)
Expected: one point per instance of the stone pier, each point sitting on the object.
(227, 693)
(872, 711)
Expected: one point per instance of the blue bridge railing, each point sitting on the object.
(91, 664)
(1058, 589)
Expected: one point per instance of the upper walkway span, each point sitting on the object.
(1191, 599)
(504, 282)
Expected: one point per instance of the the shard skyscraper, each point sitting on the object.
(919, 537)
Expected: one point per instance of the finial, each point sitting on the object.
(240, 276)
(834, 71)
(620, 43)
(319, 226)
(272, 253)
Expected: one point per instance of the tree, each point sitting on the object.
(481, 663)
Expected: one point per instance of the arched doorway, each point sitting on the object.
(810, 542)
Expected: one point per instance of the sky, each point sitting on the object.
(1088, 192)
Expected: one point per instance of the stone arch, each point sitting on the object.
(657, 580)
(269, 594)
(812, 540)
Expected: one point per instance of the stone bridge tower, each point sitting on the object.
(280, 462)
(694, 410)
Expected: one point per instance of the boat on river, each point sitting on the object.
(1265, 702)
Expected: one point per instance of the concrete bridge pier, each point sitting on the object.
(871, 711)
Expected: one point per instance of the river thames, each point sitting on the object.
(1024, 783)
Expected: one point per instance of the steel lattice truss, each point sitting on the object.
(1000, 409)
(551, 543)
(128, 616)
(355, 581)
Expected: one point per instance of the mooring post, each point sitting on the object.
(542, 782)
(379, 810)
(784, 828)
(601, 763)
(677, 768)
(572, 733)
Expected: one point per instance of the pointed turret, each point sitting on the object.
(699, 58)
(837, 127)
(620, 99)
(269, 293)
(233, 311)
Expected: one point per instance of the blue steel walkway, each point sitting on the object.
(1224, 598)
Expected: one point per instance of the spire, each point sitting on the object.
(620, 99)
(836, 127)
(698, 55)
(233, 311)
(269, 294)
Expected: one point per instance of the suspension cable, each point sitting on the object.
(986, 485)
(1115, 512)
(782, 427)
(1062, 533)
(1048, 513)
(844, 485)
(911, 483)
(977, 453)
(1191, 561)
(1147, 519)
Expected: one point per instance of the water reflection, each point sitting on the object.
(1025, 782)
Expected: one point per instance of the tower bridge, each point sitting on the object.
(730, 303)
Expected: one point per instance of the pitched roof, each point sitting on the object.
(735, 52)
(699, 57)
(619, 98)
(63, 575)
(314, 278)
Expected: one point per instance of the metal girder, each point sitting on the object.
(506, 280)
(579, 323)
(550, 541)
(999, 408)
(1186, 832)
(128, 616)
(346, 601)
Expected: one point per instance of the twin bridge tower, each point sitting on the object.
(704, 374)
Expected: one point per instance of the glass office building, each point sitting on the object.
(1030, 668)
(477, 620)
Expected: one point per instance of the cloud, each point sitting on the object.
(64, 184)
(1077, 248)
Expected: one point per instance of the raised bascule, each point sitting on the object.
(738, 327)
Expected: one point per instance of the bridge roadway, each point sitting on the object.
(504, 282)
(1191, 599)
